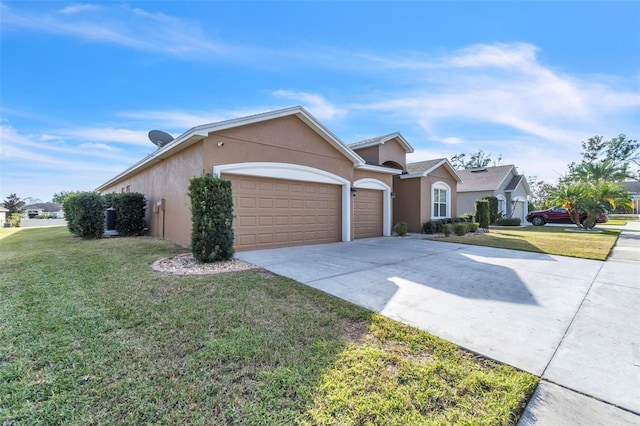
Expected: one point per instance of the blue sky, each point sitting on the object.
(83, 83)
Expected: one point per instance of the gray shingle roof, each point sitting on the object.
(515, 181)
(485, 179)
(371, 141)
(422, 166)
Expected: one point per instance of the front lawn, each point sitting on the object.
(90, 335)
(545, 239)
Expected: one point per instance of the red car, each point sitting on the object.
(558, 215)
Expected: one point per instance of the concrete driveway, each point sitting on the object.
(573, 322)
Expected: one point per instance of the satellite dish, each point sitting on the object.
(160, 138)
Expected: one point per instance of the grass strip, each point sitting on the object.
(90, 335)
(568, 241)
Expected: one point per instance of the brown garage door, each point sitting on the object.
(273, 213)
(367, 217)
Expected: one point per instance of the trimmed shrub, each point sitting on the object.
(482, 213)
(493, 208)
(432, 227)
(130, 211)
(460, 228)
(212, 218)
(401, 228)
(473, 226)
(447, 229)
(514, 221)
(85, 214)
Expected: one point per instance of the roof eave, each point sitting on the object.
(381, 169)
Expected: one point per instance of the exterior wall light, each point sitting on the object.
(393, 195)
(354, 191)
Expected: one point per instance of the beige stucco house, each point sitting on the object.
(502, 182)
(293, 182)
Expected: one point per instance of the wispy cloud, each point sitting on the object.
(123, 26)
(315, 103)
(78, 7)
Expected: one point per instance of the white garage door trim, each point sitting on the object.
(370, 183)
(295, 172)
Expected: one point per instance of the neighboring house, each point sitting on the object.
(3, 216)
(293, 182)
(634, 189)
(502, 182)
(33, 210)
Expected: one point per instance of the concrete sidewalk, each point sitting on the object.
(571, 321)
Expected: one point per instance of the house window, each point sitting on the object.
(441, 200)
(128, 189)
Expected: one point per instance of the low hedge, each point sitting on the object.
(514, 221)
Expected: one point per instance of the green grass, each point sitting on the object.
(545, 239)
(90, 335)
(615, 222)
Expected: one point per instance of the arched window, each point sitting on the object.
(440, 200)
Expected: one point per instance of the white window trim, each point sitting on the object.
(440, 185)
(370, 183)
(295, 172)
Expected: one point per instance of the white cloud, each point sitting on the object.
(315, 103)
(123, 26)
(78, 7)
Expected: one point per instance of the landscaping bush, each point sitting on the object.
(473, 226)
(212, 217)
(401, 228)
(432, 227)
(460, 228)
(85, 214)
(493, 208)
(468, 217)
(130, 211)
(482, 213)
(514, 221)
(447, 229)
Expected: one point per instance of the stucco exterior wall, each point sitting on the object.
(370, 154)
(393, 151)
(406, 205)
(466, 201)
(167, 180)
(282, 140)
(441, 174)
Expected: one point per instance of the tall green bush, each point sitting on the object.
(85, 214)
(212, 217)
(482, 213)
(130, 211)
(494, 215)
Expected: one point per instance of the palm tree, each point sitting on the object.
(601, 197)
(602, 171)
(569, 195)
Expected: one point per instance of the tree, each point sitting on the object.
(14, 204)
(606, 170)
(59, 197)
(540, 193)
(476, 160)
(620, 153)
(569, 195)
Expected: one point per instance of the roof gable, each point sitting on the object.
(198, 133)
(381, 140)
(423, 168)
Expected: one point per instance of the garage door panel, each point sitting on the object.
(278, 213)
(368, 213)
